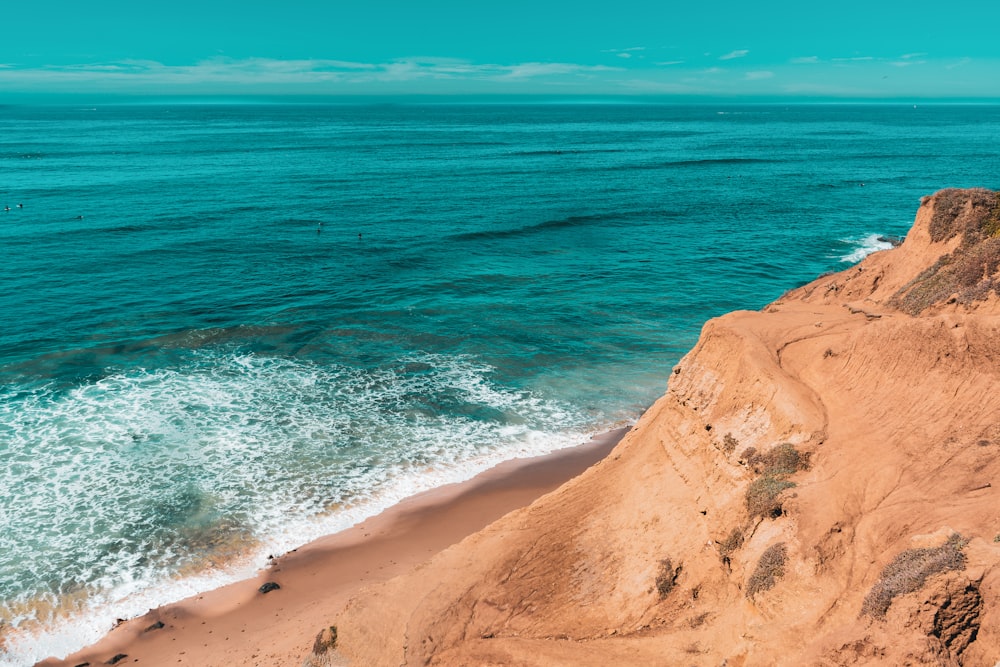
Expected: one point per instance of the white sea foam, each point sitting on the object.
(146, 487)
(864, 246)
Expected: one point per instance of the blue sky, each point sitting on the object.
(844, 50)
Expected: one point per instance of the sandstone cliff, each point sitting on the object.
(815, 487)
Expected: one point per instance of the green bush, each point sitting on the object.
(770, 568)
(909, 570)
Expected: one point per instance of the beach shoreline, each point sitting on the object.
(238, 624)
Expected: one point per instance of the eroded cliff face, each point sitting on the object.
(819, 485)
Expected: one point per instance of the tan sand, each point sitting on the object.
(237, 625)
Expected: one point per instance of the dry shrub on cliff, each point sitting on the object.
(909, 570)
(326, 640)
(779, 461)
(666, 577)
(732, 542)
(323, 648)
(973, 212)
(770, 568)
(773, 466)
(762, 496)
(967, 273)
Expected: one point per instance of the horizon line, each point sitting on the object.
(60, 99)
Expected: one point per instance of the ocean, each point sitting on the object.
(229, 329)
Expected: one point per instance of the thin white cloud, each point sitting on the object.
(401, 71)
(525, 70)
(252, 72)
(739, 53)
(805, 60)
(908, 56)
(627, 53)
(278, 67)
(424, 74)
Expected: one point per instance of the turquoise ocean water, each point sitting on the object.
(229, 329)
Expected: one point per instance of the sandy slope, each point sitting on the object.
(894, 400)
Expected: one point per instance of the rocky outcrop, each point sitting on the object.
(801, 457)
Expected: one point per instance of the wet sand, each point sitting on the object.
(239, 625)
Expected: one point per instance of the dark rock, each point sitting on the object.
(154, 626)
(115, 660)
(268, 587)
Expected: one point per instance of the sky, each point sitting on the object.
(641, 49)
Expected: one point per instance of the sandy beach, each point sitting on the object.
(239, 625)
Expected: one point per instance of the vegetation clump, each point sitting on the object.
(762, 496)
(908, 572)
(974, 212)
(326, 640)
(779, 461)
(666, 577)
(968, 274)
(732, 542)
(729, 443)
(773, 466)
(770, 568)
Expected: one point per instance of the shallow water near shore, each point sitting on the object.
(231, 329)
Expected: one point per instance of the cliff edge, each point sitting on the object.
(815, 487)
